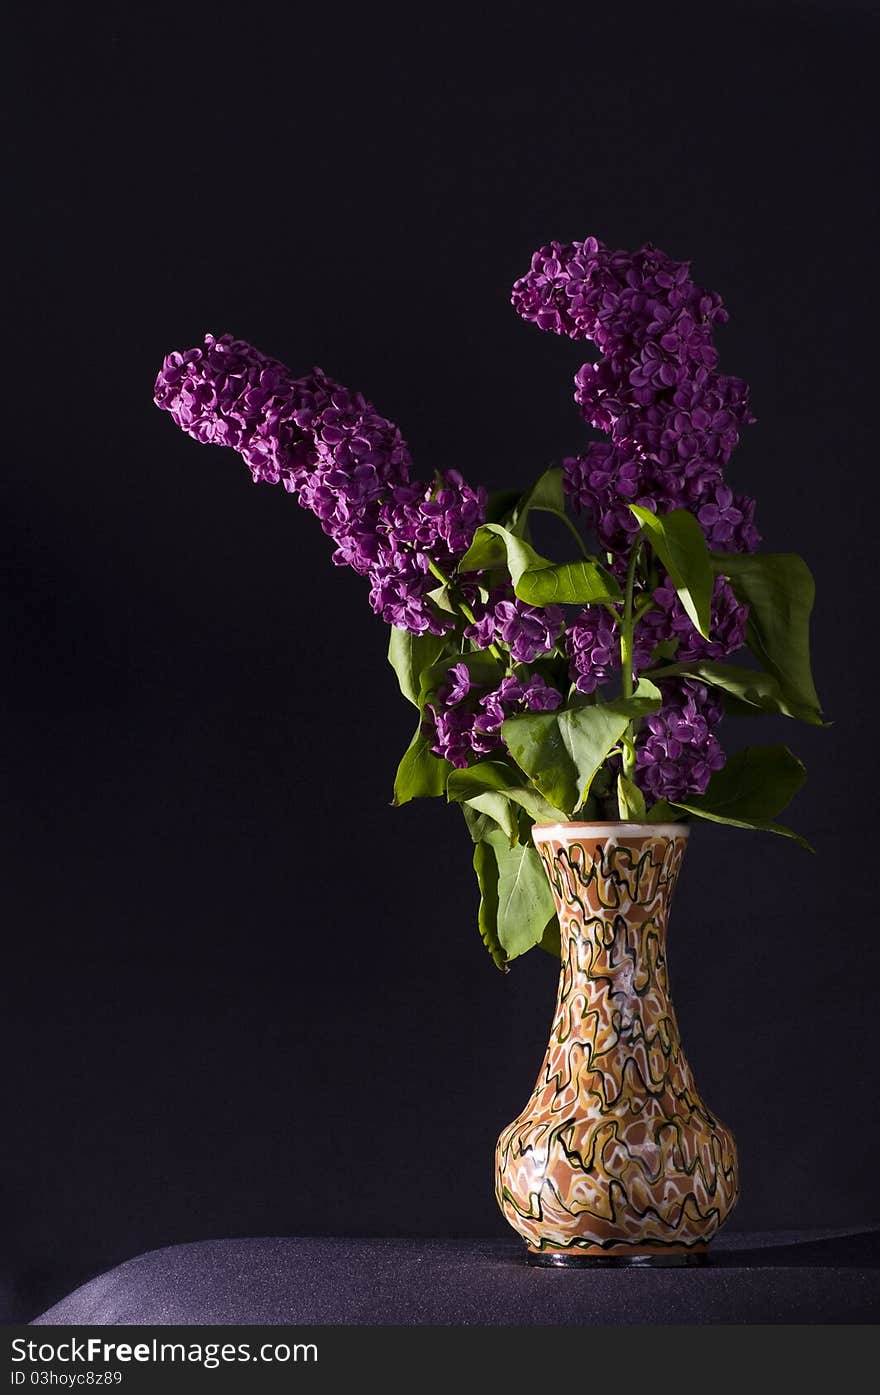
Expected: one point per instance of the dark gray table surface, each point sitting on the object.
(781, 1277)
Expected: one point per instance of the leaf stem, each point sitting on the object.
(571, 528)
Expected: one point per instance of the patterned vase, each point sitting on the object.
(615, 1159)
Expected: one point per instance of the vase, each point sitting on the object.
(615, 1159)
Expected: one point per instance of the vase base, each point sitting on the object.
(620, 1257)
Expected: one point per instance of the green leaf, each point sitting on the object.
(525, 902)
(630, 800)
(759, 825)
(497, 808)
(646, 691)
(550, 941)
(486, 868)
(443, 598)
(494, 547)
(544, 746)
(561, 751)
(664, 812)
(499, 777)
(535, 578)
(479, 825)
(755, 783)
(679, 542)
(750, 790)
(546, 494)
(779, 591)
(409, 654)
(570, 583)
(753, 689)
(421, 774)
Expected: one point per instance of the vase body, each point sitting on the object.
(615, 1157)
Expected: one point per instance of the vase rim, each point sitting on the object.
(544, 832)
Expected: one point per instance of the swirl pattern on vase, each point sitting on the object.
(615, 1152)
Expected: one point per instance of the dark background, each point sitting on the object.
(242, 994)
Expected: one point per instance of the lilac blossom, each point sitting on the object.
(727, 521)
(345, 462)
(618, 299)
(227, 393)
(602, 483)
(727, 629)
(592, 642)
(527, 630)
(673, 420)
(466, 726)
(400, 583)
(418, 525)
(452, 735)
(677, 751)
(669, 621)
(485, 627)
(360, 457)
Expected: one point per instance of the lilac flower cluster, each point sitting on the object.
(592, 642)
(592, 639)
(672, 418)
(672, 422)
(229, 394)
(669, 621)
(467, 720)
(346, 463)
(677, 751)
(420, 524)
(527, 630)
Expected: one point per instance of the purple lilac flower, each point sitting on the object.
(360, 456)
(459, 684)
(617, 299)
(672, 419)
(602, 483)
(465, 726)
(440, 519)
(728, 521)
(533, 694)
(670, 621)
(346, 463)
(677, 751)
(417, 525)
(229, 394)
(484, 629)
(702, 419)
(593, 647)
(453, 734)
(399, 585)
(653, 628)
(726, 632)
(527, 630)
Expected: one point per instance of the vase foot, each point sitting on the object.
(620, 1257)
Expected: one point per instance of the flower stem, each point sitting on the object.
(627, 626)
(459, 601)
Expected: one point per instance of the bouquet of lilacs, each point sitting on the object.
(581, 690)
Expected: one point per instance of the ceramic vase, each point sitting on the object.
(615, 1159)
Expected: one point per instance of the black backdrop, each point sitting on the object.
(243, 994)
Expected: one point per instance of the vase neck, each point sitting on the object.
(612, 893)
